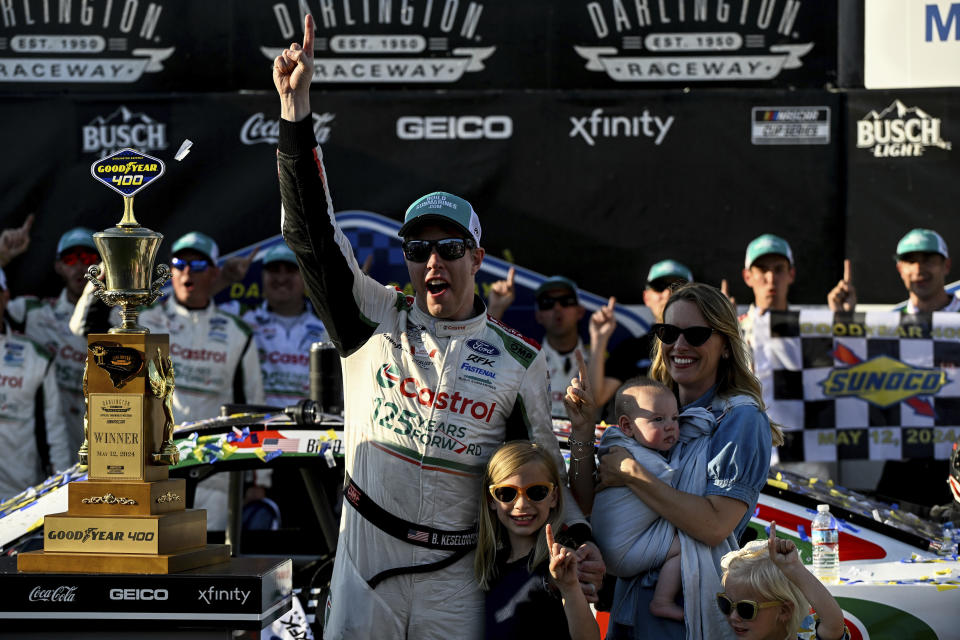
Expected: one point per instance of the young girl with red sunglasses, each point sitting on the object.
(530, 580)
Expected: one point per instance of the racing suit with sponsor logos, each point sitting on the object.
(47, 322)
(428, 401)
(28, 394)
(284, 346)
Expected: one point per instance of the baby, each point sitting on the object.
(648, 428)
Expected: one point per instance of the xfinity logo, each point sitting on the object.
(139, 594)
(597, 125)
(213, 594)
(454, 127)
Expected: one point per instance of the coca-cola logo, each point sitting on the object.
(58, 594)
(258, 128)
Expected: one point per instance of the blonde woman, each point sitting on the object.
(701, 357)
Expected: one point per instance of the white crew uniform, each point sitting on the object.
(28, 383)
(47, 321)
(562, 367)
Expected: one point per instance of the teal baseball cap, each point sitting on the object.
(197, 241)
(767, 244)
(556, 282)
(925, 240)
(76, 237)
(669, 269)
(441, 206)
(279, 253)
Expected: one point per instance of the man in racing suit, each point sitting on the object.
(47, 321)
(29, 410)
(433, 387)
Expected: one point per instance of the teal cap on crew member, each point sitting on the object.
(556, 282)
(925, 240)
(441, 206)
(197, 241)
(669, 269)
(767, 244)
(279, 252)
(76, 237)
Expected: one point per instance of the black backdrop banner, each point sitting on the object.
(91, 46)
(596, 185)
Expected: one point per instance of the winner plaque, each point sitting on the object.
(128, 516)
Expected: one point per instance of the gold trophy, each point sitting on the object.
(128, 516)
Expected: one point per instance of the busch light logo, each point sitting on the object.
(483, 348)
(258, 128)
(121, 129)
(899, 132)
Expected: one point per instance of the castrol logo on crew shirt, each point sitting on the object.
(900, 131)
(413, 41)
(82, 42)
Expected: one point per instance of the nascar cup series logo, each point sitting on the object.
(900, 132)
(114, 41)
(408, 41)
(259, 128)
(123, 128)
(704, 41)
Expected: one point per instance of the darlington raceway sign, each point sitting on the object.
(700, 41)
(414, 41)
(80, 42)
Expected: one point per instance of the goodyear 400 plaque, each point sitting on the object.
(127, 171)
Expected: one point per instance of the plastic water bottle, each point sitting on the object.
(826, 546)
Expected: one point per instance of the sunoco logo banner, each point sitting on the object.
(704, 41)
(413, 41)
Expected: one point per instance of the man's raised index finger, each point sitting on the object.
(308, 34)
(847, 270)
(511, 274)
(582, 366)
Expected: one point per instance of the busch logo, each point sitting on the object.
(122, 129)
(58, 594)
(899, 132)
(258, 128)
(597, 125)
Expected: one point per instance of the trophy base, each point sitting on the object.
(97, 498)
(163, 533)
(66, 562)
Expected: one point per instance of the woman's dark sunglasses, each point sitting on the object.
(447, 248)
(668, 334)
(507, 493)
(746, 609)
(545, 303)
(195, 265)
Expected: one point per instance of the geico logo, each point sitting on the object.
(410, 387)
(197, 354)
(14, 382)
(69, 353)
(454, 127)
(276, 357)
(139, 594)
(129, 167)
